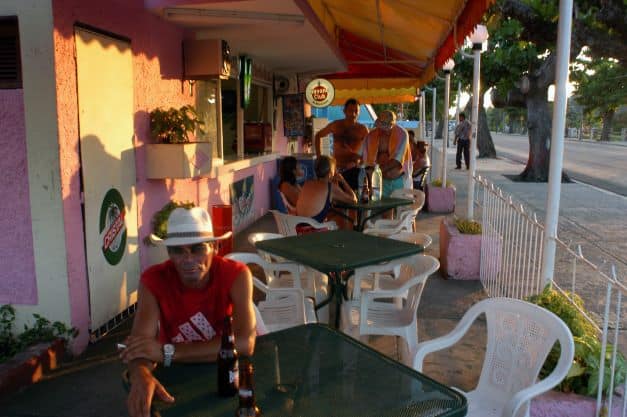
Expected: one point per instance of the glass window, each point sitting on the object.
(206, 92)
(10, 65)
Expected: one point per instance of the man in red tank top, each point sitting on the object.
(182, 304)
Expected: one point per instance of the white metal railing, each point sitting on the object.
(511, 260)
(511, 249)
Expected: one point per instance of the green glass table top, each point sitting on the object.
(313, 371)
(338, 250)
(385, 203)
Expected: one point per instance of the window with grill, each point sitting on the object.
(10, 66)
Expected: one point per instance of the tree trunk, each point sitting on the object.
(539, 127)
(608, 117)
(484, 137)
(440, 129)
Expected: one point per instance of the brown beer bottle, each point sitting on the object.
(228, 367)
(247, 406)
(365, 192)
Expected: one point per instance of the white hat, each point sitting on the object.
(188, 227)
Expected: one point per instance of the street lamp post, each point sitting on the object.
(477, 38)
(448, 67)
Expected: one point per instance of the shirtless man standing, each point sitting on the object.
(348, 136)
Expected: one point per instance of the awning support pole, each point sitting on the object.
(476, 80)
(557, 139)
(447, 91)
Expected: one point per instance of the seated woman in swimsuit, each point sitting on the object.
(288, 185)
(316, 195)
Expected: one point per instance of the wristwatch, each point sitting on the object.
(168, 354)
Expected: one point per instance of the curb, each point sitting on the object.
(30, 366)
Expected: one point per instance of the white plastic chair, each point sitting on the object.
(520, 336)
(283, 307)
(404, 222)
(314, 283)
(286, 223)
(260, 236)
(416, 238)
(410, 194)
(369, 315)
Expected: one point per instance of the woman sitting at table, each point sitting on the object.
(288, 186)
(316, 195)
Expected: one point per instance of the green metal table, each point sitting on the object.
(313, 371)
(375, 208)
(338, 252)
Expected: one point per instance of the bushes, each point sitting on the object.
(583, 377)
(42, 331)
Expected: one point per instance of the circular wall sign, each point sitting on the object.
(112, 227)
(319, 92)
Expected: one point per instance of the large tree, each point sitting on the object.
(601, 87)
(530, 52)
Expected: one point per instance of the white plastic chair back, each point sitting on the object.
(416, 238)
(283, 307)
(370, 315)
(410, 194)
(520, 336)
(260, 236)
(404, 223)
(278, 275)
(286, 223)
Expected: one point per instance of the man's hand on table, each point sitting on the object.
(138, 347)
(143, 387)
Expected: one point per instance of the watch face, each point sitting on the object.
(226, 59)
(168, 349)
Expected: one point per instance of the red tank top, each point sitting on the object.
(189, 314)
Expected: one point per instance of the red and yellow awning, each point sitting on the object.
(400, 40)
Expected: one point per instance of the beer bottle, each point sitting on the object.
(228, 367)
(365, 192)
(247, 406)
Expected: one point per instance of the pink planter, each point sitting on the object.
(559, 404)
(440, 200)
(460, 254)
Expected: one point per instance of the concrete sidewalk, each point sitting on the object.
(90, 385)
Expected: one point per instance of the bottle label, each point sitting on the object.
(234, 376)
(245, 393)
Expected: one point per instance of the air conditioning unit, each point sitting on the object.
(285, 84)
(206, 59)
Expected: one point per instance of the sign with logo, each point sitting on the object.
(320, 92)
(112, 226)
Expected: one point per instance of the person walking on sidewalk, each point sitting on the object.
(182, 304)
(462, 139)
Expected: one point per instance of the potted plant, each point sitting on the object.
(174, 155)
(440, 199)
(159, 227)
(460, 248)
(579, 388)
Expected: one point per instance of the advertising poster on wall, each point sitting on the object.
(293, 115)
(242, 200)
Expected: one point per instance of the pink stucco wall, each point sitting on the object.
(18, 284)
(157, 63)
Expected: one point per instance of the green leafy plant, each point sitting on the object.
(468, 227)
(174, 125)
(438, 183)
(583, 377)
(42, 331)
(159, 222)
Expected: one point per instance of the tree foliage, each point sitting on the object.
(520, 63)
(600, 87)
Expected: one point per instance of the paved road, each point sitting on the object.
(598, 164)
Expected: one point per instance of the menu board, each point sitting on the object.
(293, 115)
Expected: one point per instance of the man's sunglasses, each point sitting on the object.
(197, 249)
